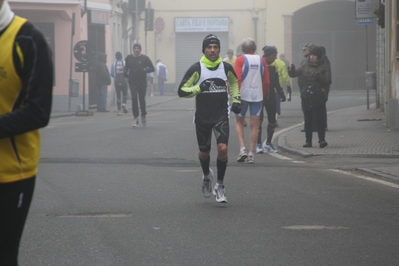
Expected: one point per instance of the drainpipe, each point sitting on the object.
(388, 63)
(255, 19)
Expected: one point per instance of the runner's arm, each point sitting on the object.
(266, 77)
(186, 88)
(233, 83)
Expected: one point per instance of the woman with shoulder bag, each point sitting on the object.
(316, 76)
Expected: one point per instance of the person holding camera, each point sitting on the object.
(207, 81)
(316, 77)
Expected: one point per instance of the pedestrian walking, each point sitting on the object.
(136, 69)
(270, 101)
(162, 76)
(207, 81)
(316, 76)
(26, 82)
(120, 83)
(253, 79)
(103, 80)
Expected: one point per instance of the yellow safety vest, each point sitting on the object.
(19, 155)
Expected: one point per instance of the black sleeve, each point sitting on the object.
(150, 66)
(191, 77)
(127, 64)
(32, 108)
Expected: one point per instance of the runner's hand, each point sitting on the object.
(236, 108)
(205, 85)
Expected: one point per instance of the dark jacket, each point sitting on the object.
(137, 67)
(102, 72)
(316, 77)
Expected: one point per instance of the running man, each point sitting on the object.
(253, 79)
(136, 69)
(207, 80)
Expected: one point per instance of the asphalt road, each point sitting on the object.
(109, 194)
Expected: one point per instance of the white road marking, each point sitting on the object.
(280, 156)
(382, 182)
(313, 227)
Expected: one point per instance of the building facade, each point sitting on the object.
(388, 65)
(180, 26)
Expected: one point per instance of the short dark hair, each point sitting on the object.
(118, 55)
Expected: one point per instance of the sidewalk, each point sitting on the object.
(352, 131)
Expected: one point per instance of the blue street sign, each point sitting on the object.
(364, 21)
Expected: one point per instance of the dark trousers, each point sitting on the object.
(121, 89)
(15, 199)
(161, 86)
(314, 123)
(138, 91)
(102, 98)
(319, 113)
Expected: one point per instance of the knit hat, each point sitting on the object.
(210, 39)
(317, 51)
(136, 45)
(269, 50)
(308, 46)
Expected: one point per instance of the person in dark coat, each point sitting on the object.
(326, 61)
(316, 77)
(103, 80)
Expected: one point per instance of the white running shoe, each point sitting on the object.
(135, 122)
(259, 148)
(219, 193)
(268, 148)
(250, 158)
(207, 184)
(143, 121)
(119, 112)
(242, 156)
(124, 108)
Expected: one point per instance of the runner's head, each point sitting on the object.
(248, 46)
(211, 47)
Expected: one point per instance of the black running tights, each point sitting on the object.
(15, 199)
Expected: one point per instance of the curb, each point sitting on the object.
(378, 173)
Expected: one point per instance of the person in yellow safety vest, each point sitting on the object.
(230, 58)
(26, 89)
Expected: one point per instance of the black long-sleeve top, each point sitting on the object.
(36, 75)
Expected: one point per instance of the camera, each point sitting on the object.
(309, 90)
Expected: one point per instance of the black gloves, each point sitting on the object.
(289, 91)
(282, 95)
(236, 108)
(205, 85)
